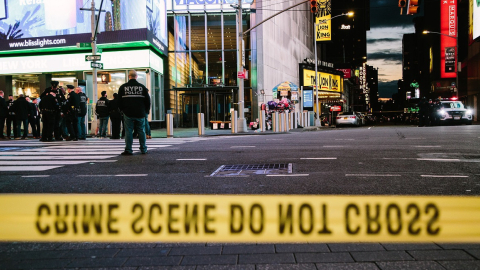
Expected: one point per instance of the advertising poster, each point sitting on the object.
(450, 60)
(201, 5)
(157, 22)
(326, 81)
(308, 98)
(448, 27)
(323, 20)
(38, 24)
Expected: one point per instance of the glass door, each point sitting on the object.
(222, 106)
(191, 106)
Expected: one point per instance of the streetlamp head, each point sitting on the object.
(350, 14)
(426, 32)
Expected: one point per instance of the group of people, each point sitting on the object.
(63, 114)
(428, 112)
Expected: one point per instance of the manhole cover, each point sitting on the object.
(252, 169)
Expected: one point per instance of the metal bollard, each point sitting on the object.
(262, 121)
(287, 122)
(293, 120)
(169, 125)
(201, 125)
(234, 122)
(276, 123)
(281, 126)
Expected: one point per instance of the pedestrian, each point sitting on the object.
(11, 120)
(22, 111)
(72, 110)
(48, 107)
(32, 118)
(3, 114)
(101, 109)
(115, 116)
(37, 117)
(422, 112)
(59, 99)
(82, 134)
(134, 102)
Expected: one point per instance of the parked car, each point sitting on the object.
(348, 118)
(455, 112)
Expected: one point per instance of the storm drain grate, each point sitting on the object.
(252, 169)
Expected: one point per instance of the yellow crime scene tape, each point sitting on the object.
(238, 218)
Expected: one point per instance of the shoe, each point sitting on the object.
(59, 139)
(50, 140)
(23, 138)
(144, 153)
(17, 138)
(42, 140)
(68, 139)
(8, 138)
(125, 153)
(3, 138)
(83, 139)
(75, 139)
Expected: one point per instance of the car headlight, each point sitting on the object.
(442, 112)
(469, 112)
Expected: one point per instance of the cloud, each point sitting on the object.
(372, 41)
(387, 89)
(395, 57)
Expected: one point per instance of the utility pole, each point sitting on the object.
(94, 70)
(242, 123)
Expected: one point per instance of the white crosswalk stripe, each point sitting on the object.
(33, 156)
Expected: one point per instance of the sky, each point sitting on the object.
(384, 42)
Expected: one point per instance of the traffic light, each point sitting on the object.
(412, 7)
(402, 3)
(314, 6)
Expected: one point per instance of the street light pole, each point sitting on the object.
(315, 25)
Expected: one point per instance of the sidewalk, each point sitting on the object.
(193, 132)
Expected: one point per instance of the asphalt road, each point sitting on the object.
(389, 160)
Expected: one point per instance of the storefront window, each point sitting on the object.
(197, 32)
(230, 31)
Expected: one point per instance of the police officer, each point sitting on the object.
(49, 109)
(11, 120)
(134, 102)
(81, 115)
(22, 111)
(71, 113)
(32, 117)
(3, 114)
(101, 109)
(115, 116)
(59, 98)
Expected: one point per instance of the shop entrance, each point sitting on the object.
(191, 106)
(223, 104)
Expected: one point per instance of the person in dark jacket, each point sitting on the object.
(72, 110)
(102, 111)
(48, 107)
(59, 98)
(3, 113)
(134, 102)
(33, 118)
(22, 111)
(11, 120)
(115, 116)
(82, 134)
(423, 109)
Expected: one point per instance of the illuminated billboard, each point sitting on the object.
(38, 24)
(323, 21)
(205, 5)
(448, 41)
(326, 81)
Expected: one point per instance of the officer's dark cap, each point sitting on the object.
(69, 86)
(54, 83)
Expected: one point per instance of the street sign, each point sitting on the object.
(96, 65)
(241, 75)
(93, 57)
(84, 45)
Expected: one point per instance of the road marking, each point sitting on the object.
(287, 175)
(98, 161)
(398, 158)
(35, 176)
(344, 139)
(333, 146)
(37, 157)
(321, 158)
(414, 138)
(444, 176)
(440, 159)
(427, 146)
(244, 146)
(41, 162)
(187, 159)
(374, 175)
(70, 153)
(131, 175)
(27, 168)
